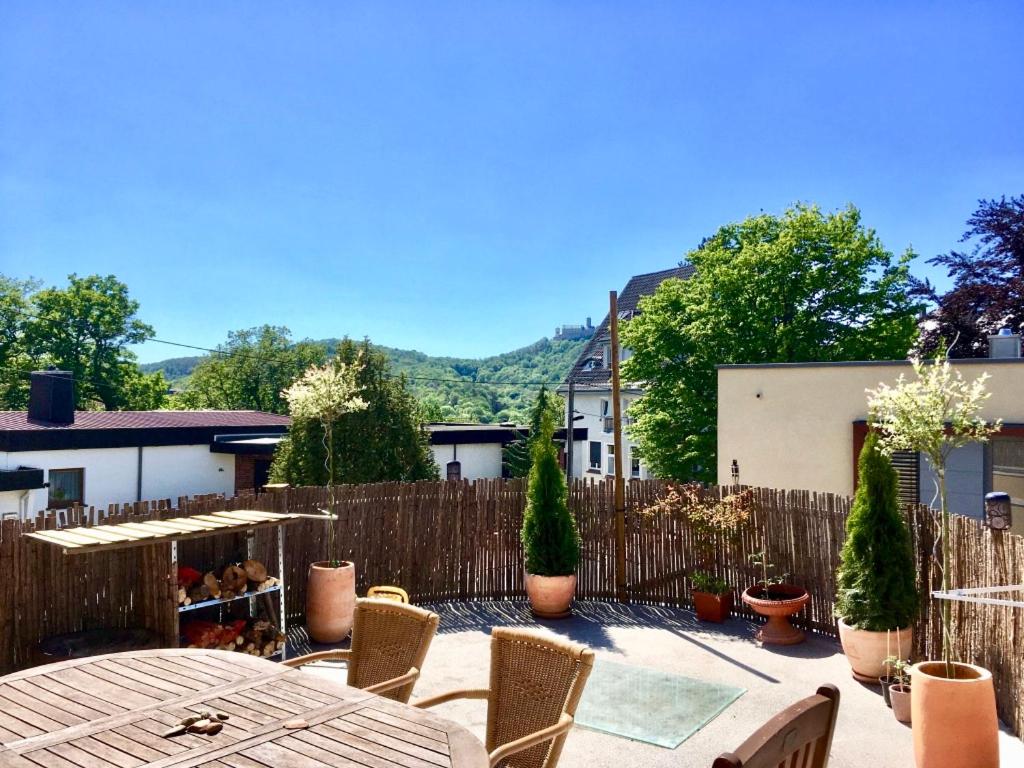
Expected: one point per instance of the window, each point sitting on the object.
(634, 464)
(611, 459)
(454, 469)
(625, 353)
(66, 488)
(595, 455)
(606, 355)
(606, 415)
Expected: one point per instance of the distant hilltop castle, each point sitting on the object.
(574, 332)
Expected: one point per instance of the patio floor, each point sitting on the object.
(672, 640)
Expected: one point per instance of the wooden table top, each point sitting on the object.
(111, 711)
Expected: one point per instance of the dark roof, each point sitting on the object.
(628, 300)
(121, 429)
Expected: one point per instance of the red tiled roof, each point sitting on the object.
(18, 421)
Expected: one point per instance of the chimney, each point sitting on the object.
(52, 397)
(1004, 345)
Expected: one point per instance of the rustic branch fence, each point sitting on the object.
(460, 541)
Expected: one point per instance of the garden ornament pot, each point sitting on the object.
(867, 651)
(900, 696)
(955, 723)
(712, 607)
(330, 601)
(785, 600)
(550, 596)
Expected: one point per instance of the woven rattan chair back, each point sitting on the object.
(534, 679)
(388, 639)
(799, 735)
(388, 592)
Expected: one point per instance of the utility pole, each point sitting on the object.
(620, 490)
(570, 415)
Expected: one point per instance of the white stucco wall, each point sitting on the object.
(111, 474)
(479, 460)
(791, 426)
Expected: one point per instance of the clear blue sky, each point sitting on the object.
(460, 178)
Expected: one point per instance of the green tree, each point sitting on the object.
(518, 454)
(550, 539)
(383, 442)
(86, 328)
(876, 589)
(805, 286)
(15, 361)
(251, 371)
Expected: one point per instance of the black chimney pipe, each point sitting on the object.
(52, 397)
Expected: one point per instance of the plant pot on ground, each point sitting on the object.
(551, 541)
(897, 693)
(877, 598)
(712, 597)
(772, 598)
(330, 601)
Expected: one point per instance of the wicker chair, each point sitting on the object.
(536, 684)
(389, 593)
(389, 642)
(799, 735)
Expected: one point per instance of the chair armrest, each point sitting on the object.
(298, 661)
(465, 693)
(537, 737)
(396, 682)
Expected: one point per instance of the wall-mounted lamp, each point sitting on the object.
(998, 511)
(735, 472)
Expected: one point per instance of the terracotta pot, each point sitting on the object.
(551, 596)
(955, 723)
(712, 607)
(900, 697)
(330, 601)
(866, 651)
(886, 681)
(778, 630)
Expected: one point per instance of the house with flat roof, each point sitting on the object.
(470, 451)
(52, 456)
(591, 377)
(802, 425)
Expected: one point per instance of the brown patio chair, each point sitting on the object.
(389, 642)
(799, 735)
(536, 684)
(389, 593)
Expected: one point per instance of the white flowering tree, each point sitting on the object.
(934, 414)
(326, 393)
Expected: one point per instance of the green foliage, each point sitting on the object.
(251, 372)
(382, 442)
(550, 539)
(876, 589)
(703, 581)
(85, 328)
(518, 454)
(804, 286)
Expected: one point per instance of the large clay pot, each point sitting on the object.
(866, 651)
(778, 630)
(712, 607)
(550, 596)
(955, 722)
(330, 601)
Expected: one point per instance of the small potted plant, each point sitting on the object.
(325, 393)
(876, 596)
(551, 541)
(773, 598)
(899, 688)
(712, 597)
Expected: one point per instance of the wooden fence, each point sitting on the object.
(460, 541)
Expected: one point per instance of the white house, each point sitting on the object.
(591, 377)
(475, 451)
(52, 456)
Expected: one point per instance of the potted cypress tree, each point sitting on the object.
(551, 541)
(934, 415)
(877, 599)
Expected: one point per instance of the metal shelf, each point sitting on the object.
(221, 601)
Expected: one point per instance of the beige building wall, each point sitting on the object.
(791, 425)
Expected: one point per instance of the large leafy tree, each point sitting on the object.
(86, 328)
(803, 286)
(988, 283)
(251, 371)
(381, 442)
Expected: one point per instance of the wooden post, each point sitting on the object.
(620, 490)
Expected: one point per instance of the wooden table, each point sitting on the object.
(112, 710)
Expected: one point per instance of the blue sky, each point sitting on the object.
(459, 178)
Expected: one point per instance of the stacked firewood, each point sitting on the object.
(235, 580)
(257, 637)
